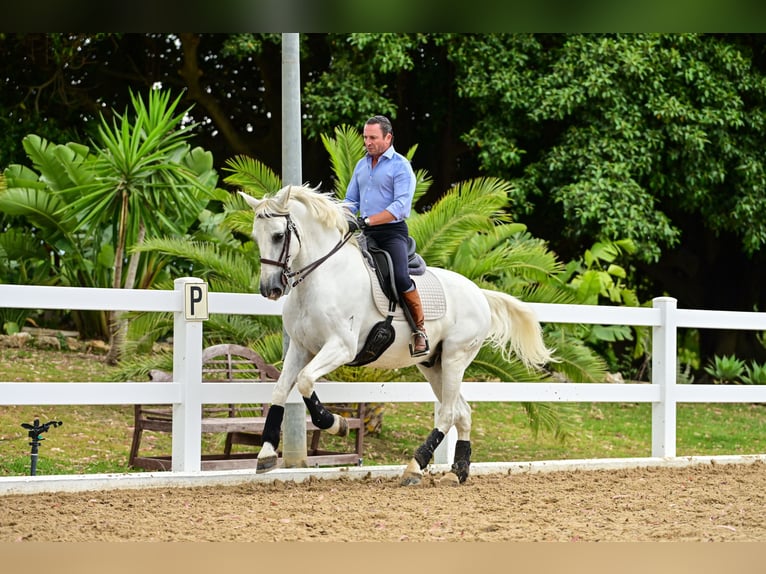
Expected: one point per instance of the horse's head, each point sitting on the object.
(280, 223)
(277, 238)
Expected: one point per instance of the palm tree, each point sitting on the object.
(147, 180)
(142, 180)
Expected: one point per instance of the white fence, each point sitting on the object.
(191, 304)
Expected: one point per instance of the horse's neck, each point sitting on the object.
(339, 275)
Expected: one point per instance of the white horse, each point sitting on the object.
(308, 252)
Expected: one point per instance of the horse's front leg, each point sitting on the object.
(295, 359)
(333, 355)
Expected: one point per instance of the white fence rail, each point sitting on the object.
(191, 304)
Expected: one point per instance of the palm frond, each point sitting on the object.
(270, 347)
(345, 150)
(136, 367)
(144, 329)
(43, 209)
(245, 329)
(467, 209)
(237, 218)
(574, 360)
(423, 181)
(224, 268)
(74, 158)
(16, 175)
(557, 418)
(545, 292)
(485, 254)
(489, 362)
(253, 176)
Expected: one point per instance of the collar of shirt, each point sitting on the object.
(388, 154)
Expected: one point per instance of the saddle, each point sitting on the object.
(381, 262)
(382, 334)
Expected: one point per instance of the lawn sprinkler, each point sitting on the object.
(35, 430)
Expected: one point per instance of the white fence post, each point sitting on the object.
(187, 369)
(664, 372)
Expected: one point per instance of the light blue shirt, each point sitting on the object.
(390, 185)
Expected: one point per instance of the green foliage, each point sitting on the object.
(640, 129)
(252, 176)
(597, 276)
(243, 46)
(89, 207)
(729, 369)
(726, 369)
(342, 94)
(755, 374)
(146, 172)
(595, 279)
(345, 150)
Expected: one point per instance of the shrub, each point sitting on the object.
(726, 369)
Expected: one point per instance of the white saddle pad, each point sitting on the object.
(431, 295)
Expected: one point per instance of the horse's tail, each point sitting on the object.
(515, 329)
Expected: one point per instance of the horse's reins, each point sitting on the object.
(284, 256)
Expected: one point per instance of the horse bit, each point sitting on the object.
(284, 256)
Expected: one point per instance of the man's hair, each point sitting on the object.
(383, 122)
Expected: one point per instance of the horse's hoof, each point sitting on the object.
(411, 479)
(449, 479)
(265, 464)
(342, 426)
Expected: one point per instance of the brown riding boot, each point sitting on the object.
(419, 345)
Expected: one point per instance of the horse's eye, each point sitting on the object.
(277, 237)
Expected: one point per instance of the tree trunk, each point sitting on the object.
(118, 326)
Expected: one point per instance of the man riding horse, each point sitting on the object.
(381, 191)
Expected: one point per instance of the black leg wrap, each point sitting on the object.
(426, 450)
(320, 416)
(462, 459)
(273, 426)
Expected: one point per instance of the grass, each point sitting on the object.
(96, 439)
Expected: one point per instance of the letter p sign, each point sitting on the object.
(195, 301)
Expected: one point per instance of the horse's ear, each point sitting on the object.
(251, 201)
(284, 197)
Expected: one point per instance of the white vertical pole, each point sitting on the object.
(664, 370)
(187, 369)
(294, 444)
(445, 452)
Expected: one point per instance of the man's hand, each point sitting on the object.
(355, 223)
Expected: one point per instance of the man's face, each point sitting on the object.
(374, 140)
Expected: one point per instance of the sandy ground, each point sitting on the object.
(710, 502)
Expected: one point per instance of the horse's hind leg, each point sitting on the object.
(413, 473)
(454, 410)
(461, 464)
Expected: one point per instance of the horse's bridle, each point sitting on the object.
(284, 256)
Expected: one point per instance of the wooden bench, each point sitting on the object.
(242, 424)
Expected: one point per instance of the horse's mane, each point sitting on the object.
(322, 207)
